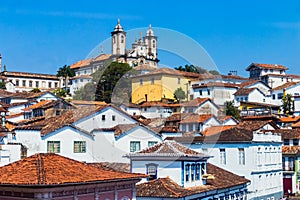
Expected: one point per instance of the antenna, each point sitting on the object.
(233, 72)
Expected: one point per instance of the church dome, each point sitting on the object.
(118, 27)
(150, 31)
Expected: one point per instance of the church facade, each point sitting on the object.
(143, 52)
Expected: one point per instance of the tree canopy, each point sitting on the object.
(65, 72)
(230, 110)
(287, 104)
(2, 85)
(179, 94)
(110, 83)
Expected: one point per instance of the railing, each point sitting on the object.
(245, 113)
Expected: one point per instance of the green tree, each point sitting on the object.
(65, 72)
(110, 78)
(35, 90)
(179, 94)
(191, 68)
(60, 92)
(230, 110)
(287, 104)
(2, 85)
(214, 72)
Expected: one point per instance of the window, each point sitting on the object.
(280, 95)
(296, 94)
(197, 176)
(79, 146)
(192, 172)
(208, 92)
(23, 83)
(273, 96)
(200, 92)
(152, 80)
(36, 84)
(122, 39)
(281, 71)
(30, 83)
(246, 98)
(222, 156)
(203, 168)
(178, 80)
(187, 172)
(152, 171)
(49, 85)
(135, 146)
(266, 70)
(271, 70)
(113, 117)
(55, 85)
(237, 99)
(17, 82)
(103, 117)
(141, 81)
(53, 146)
(295, 142)
(241, 156)
(151, 143)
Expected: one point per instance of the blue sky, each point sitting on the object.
(41, 36)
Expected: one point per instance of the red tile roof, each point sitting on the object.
(293, 119)
(53, 169)
(81, 63)
(54, 123)
(296, 125)
(173, 72)
(37, 105)
(158, 104)
(195, 118)
(170, 149)
(247, 83)
(244, 91)
(285, 85)
(254, 125)
(216, 84)
(31, 75)
(167, 188)
(216, 129)
(266, 66)
(291, 150)
(289, 133)
(196, 102)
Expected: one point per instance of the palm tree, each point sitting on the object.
(65, 72)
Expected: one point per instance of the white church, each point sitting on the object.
(143, 52)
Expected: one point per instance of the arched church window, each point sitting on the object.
(122, 39)
(153, 41)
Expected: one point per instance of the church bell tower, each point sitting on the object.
(118, 40)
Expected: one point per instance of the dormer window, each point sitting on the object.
(152, 171)
(271, 70)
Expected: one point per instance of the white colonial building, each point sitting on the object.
(177, 172)
(252, 150)
(90, 134)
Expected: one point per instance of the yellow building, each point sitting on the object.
(160, 84)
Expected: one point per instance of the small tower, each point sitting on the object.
(151, 42)
(118, 40)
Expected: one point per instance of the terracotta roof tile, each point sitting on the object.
(196, 102)
(296, 125)
(170, 129)
(293, 119)
(168, 148)
(289, 133)
(167, 188)
(291, 150)
(158, 104)
(31, 75)
(196, 118)
(81, 102)
(53, 169)
(247, 83)
(177, 117)
(216, 129)
(244, 91)
(37, 105)
(216, 84)
(67, 118)
(234, 77)
(254, 125)
(267, 66)
(81, 63)
(115, 166)
(173, 72)
(285, 85)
